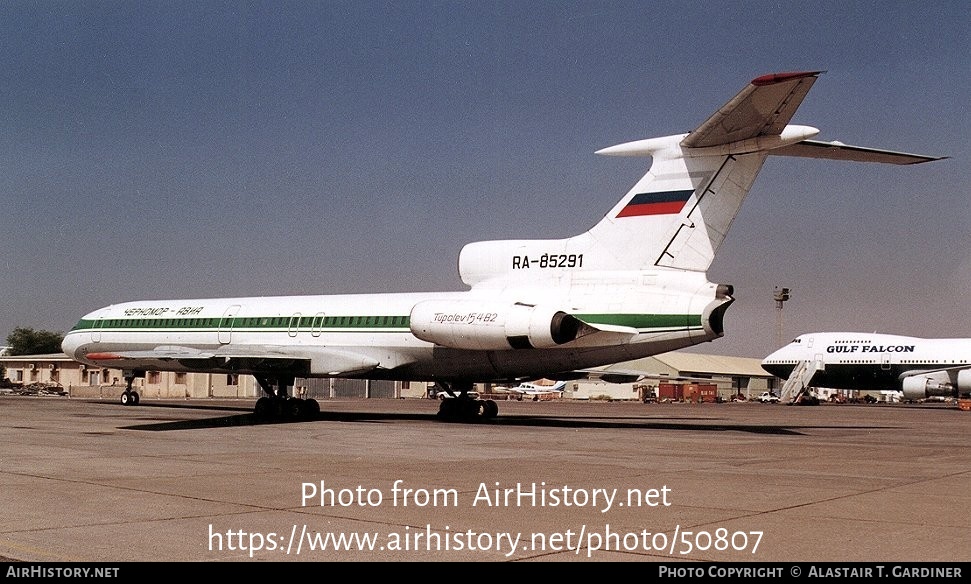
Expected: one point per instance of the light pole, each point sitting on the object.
(780, 295)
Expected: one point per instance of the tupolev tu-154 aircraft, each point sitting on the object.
(634, 285)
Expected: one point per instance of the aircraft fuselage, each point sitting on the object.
(374, 334)
(870, 361)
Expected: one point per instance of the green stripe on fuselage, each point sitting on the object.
(643, 321)
(255, 323)
(332, 323)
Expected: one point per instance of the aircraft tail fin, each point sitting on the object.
(678, 214)
(684, 206)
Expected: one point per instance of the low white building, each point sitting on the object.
(58, 372)
(731, 375)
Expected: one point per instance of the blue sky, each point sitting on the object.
(196, 149)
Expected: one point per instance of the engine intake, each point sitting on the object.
(917, 387)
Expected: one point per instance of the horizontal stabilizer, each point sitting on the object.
(762, 108)
(840, 151)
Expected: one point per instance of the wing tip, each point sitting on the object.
(773, 78)
(836, 150)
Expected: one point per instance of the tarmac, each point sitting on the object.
(385, 480)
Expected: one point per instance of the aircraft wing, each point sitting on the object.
(162, 353)
(919, 372)
(614, 375)
(520, 391)
(762, 108)
(319, 360)
(606, 333)
(839, 151)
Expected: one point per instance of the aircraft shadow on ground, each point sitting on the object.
(537, 421)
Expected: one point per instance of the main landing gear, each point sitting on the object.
(278, 404)
(464, 408)
(129, 397)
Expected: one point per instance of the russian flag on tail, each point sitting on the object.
(663, 203)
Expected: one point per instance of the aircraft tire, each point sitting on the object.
(135, 398)
(126, 398)
(296, 408)
(473, 409)
(263, 408)
(446, 409)
(490, 409)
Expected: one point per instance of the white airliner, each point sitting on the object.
(634, 285)
(920, 368)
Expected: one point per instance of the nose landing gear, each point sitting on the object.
(129, 397)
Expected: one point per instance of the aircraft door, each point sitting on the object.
(226, 324)
(294, 325)
(96, 331)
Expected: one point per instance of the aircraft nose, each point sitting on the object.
(778, 363)
(773, 356)
(70, 345)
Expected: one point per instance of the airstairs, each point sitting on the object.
(799, 381)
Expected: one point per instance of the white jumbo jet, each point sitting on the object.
(919, 368)
(634, 285)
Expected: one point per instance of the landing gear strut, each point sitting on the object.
(464, 408)
(129, 397)
(278, 404)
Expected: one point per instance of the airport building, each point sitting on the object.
(57, 373)
(681, 376)
(677, 376)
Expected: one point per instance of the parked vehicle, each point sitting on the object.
(767, 397)
(436, 392)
